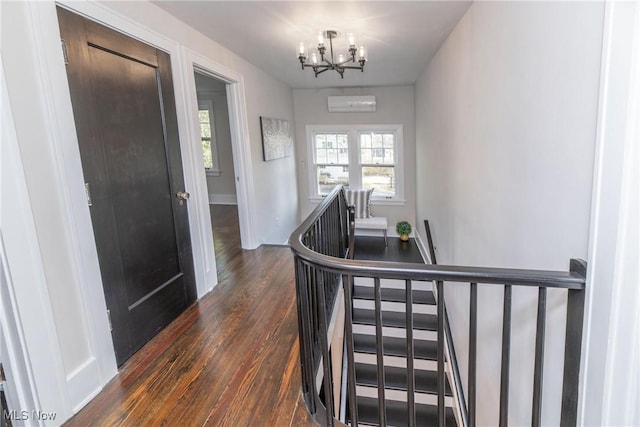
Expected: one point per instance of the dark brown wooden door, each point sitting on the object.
(124, 111)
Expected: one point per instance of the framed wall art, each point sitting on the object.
(276, 138)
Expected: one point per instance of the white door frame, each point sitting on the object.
(30, 349)
(192, 158)
(609, 390)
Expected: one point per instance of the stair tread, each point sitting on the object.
(426, 415)
(426, 322)
(393, 295)
(396, 378)
(392, 346)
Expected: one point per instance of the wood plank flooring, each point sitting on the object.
(231, 359)
(373, 248)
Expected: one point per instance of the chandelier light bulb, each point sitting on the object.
(352, 40)
(302, 50)
(340, 58)
(314, 58)
(363, 53)
(320, 38)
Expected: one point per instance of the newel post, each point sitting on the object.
(573, 348)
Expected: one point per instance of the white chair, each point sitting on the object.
(361, 199)
(373, 223)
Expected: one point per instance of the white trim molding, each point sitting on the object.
(195, 175)
(240, 139)
(609, 389)
(33, 363)
(223, 199)
(353, 136)
(205, 101)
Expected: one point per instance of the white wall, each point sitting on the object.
(505, 129)
(46, 139)
(223, 186)
(395, 105)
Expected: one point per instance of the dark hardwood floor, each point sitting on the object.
(373, 248)
(226, 238)
(230, 359)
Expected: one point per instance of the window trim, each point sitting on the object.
(206, 102)
(355, 167)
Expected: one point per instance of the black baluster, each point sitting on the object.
(573, 348)
(382, 410)
(351, 366)
(473, 353)
(441, 377)
(411, 380)
(506, 351)
(326, 358)
(539, 358)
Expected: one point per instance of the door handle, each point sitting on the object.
(182, 196)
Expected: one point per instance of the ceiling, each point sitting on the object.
(400, 36)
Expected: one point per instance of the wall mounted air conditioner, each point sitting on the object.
(352, 104)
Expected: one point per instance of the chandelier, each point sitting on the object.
(319, 62)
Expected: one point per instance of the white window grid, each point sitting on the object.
(381, 156)
(207, 104)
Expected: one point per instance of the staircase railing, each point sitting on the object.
(455, 371)
(321, 250)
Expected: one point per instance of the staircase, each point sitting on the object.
(425, 324)
(323, 247)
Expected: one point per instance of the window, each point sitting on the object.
(331, 153)
(358, 156)
(377, 164)
(207, 137)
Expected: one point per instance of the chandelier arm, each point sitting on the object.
(341, 64)
(321, 71)
(314, 66)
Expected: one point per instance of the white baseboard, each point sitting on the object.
(223, 199)
(422, 248)
(84, 384)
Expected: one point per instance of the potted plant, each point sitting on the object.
(404, 229)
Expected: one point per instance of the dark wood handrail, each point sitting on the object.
(403, 270)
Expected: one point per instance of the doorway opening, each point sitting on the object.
(217, 152)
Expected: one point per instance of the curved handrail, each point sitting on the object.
(403, 270)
